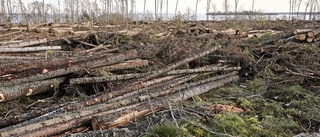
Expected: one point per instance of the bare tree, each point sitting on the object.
(175, 13)
(10, 11)
(305, 11)
(236, 2)
(298, 6)
(252, 6)
(3, 11)
(155, 9)
(226, 6)
(167, 8)
(196, 10)
(208, 8)
(144, 7)
(59, 11)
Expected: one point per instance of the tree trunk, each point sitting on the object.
(196, 10)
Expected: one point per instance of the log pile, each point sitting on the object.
(310, 36)
(33, 67)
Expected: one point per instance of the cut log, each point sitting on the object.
(29, 49)
(182, 62)
(20, 58)
(25, 43)
(70, 67)
(310, 39)
(29, 89)
(299, 31)
(316, 44)
(10, 42)
(314, 32)
(12, 33)
(66, 121)
(300, 37)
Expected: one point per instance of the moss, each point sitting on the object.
(164, 131)
(246, 105)
(280, 126)
(234, 124)
(194, 130)
(255, 86)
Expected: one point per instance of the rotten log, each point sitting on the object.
(29, 89)
(29, 49)
(25, 43)
(46, 73)
(67, 121)
(313, 33)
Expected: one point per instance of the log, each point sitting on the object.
(12, 33)
(299, 31)
(26, 43)
(20, 58)
(177, 64)
(130, 64)
(67, 121)
(10, 42)
(313, 33)
(46, 73)
(29, 89)
(29, 49)
(310, 39)
(316, 44)
(300, 37)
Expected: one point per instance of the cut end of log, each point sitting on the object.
(2, 98)
(30, 91)
(45, 71)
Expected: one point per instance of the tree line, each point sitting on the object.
(72, 11)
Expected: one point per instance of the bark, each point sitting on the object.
(29, 89)
(25, 44)
(130, 64)
(20, 58)
(10, 42)
(29, 49)
(71, 67)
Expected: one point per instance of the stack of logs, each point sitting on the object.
(139, 93)
(311, 36)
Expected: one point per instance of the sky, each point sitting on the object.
(260, 5)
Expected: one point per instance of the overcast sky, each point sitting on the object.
(260, 5)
